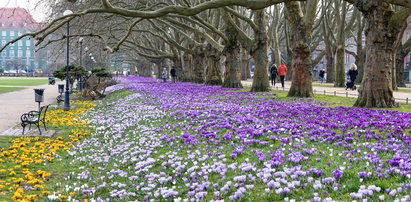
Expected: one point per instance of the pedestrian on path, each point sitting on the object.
(164, 75)
(274, 73)
(173, 74)
(321, 75)
(282, 71)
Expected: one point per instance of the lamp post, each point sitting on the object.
(80, 80)
(85, 61)
(80, 40)
(66, 106)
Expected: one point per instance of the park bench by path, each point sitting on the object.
(35, 117)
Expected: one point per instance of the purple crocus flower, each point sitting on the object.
(337, 174)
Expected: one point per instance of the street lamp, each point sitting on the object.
(66, 106)
(80, 80)
(80, 40)
(85, 61)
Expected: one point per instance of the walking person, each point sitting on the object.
(321, 75)
(173, 74)
(352, 73)
(164, 75)
(282, 71)
(274, 73)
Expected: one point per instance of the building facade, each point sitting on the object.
(21, 55)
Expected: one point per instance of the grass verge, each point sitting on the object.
(23, 81)
(9, 89)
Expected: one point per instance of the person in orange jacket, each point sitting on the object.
(282, 71)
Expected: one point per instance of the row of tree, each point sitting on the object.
(196, 34)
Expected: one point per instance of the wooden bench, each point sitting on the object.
(34, 117)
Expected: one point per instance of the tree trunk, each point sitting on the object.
(360, 56)
(330, 67)
(301, 75)
(187, 71)
(213, 67)
(178, 64)
(399, 65)
(159, 69)
(144, 69)
(276, 42)
(340, 67)
(244, 64)
(340, 52)
(199, 65)
(259, 53)
(232, 52)
(376, 89)
(360, 62)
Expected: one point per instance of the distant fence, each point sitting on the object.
(347, 94)
(25, 74)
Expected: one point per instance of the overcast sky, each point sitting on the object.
(38, 12)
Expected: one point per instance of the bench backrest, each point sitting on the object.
(43, 111)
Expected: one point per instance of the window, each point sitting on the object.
(3, 33)
(20, 43)
(19, 53)
(28, 43)
(11, 33)
(3, 42)
(28, 53)
(12, 53)
(19, 33)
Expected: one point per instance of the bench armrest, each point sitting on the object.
(28, 116)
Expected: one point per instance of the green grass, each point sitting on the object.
(322, 85)
(22, 81)
(404, 90)
(9, 89)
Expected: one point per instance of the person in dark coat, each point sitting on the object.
(173, 74)
(353, 72)
(273, 73)
(321, 75)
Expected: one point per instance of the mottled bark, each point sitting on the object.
(340, 66)
(301, 75)
(259, 54)
(382, 32)
(187, 68)
(329, 56)
(178, 64)
(213, 67)
(340, 52)
(244, 64)
(232, 74)
(199, 63)
(399, 66)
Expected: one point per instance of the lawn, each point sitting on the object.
(5, 81)
(9, 89)
(166, 141)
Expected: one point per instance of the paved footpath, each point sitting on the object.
(401, 97)
(14, 104)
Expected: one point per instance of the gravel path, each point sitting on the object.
(14, 104)
(400, 97)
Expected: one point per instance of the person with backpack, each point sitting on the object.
(273, 73)
(282, 71)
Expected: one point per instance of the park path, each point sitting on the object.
(14, 104)
(400, 97)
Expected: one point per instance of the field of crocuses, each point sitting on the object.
(188, 142)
